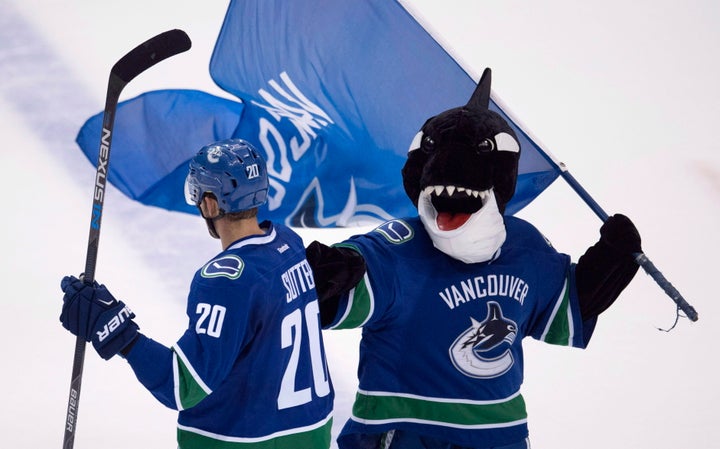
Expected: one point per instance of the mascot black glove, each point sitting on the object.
(336, 270)
(89, 311)
(608, 266)
(620, 234)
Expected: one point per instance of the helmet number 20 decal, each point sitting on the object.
(252, 171)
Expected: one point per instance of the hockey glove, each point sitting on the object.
(608, 266)
(92, 313)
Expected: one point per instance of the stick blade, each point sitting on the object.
(150, 53)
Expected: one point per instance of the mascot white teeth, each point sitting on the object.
(460, 173)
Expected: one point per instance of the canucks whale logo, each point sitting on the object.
(478, 352)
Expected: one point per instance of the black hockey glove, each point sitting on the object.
(608, 266)
(336, 270)
(92, 313)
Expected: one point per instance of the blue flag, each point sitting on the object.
(331, 92)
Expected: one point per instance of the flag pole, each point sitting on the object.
(640, 258)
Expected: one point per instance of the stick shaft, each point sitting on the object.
(128, 67)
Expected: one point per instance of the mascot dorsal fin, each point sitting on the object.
(480, 98)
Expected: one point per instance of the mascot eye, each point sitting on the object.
(485, 146)
(428, 144)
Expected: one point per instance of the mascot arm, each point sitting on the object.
(336, 271)
(608, 266)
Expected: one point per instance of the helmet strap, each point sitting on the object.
(210, 222)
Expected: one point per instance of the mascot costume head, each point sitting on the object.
(461, 171)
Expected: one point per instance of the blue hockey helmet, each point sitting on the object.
(233, 171)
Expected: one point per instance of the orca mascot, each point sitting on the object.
(445, 298)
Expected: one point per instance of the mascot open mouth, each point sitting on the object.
(454, 205)
(463, 164)
(463, 235)
(461, 171)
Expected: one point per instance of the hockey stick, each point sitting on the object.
(128, 67)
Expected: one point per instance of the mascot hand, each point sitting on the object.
(336, 271)
(620, 234)
(608, 266)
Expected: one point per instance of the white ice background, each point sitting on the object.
(625, 93)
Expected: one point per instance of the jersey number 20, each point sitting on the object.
(292, 326)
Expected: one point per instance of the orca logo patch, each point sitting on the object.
(230, 267)
(482, 350)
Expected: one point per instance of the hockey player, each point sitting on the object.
(250, 370)
(445, 298)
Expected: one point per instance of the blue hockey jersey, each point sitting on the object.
(250, 370)
(441, 353)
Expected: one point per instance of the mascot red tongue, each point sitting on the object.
(448, 221)
(459, 157)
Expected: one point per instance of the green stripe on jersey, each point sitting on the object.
(189, 391)
(314, 438)
(560, 327)
(452, 413)
(360, 304)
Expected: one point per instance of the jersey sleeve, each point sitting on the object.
(206, 352)
(372, 296)
(152, 364)
(181, 376)
(556, 318)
